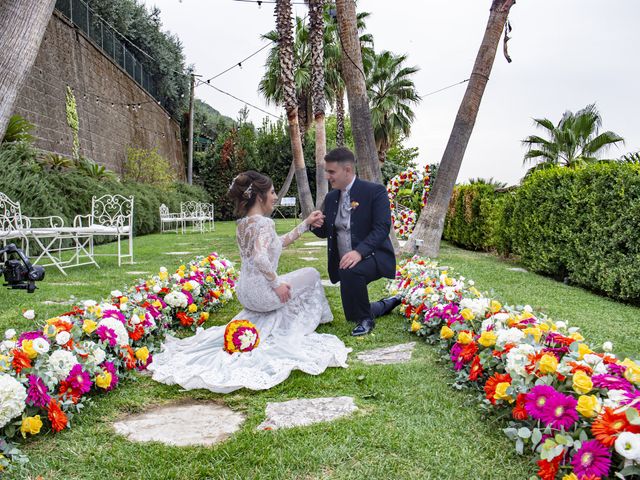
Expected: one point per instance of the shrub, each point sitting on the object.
(147, 166)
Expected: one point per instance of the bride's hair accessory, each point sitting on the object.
(240, 336)
(247, 193)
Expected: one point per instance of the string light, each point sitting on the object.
(236, 98)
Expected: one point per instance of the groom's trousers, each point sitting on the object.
(353, 290)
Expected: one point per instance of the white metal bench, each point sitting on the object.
(167, 219)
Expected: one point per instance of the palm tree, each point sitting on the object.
(285, 50)
(431, 221)
(391, 93)
(22, 26)
(575, 140)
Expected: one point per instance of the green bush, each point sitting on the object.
(67, 193)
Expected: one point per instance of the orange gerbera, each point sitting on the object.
(476, 370)
(137, 333)
(575, 367)
(129, 357)
(185, 320)
(57, 417)
(66, 389)
(519, 411)
(609, 424)
(468, 351)
(492, 383)
(20, 360)
(548, 470)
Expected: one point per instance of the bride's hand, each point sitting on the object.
(315, 219)
(283, 291)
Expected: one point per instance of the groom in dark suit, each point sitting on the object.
(357, 225)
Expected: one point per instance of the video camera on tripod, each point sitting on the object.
(20, 274)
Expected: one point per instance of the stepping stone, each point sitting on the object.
(308, 259)
(306, 411)
(518, 269)
(177, 253)
(67, 284)
(138, 273)
(327, 283)
(182, 424)
(319, 243)
(388, 355)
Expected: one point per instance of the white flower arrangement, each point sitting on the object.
(122, 337)
(176, 299)
(12, 398)
(61, 362)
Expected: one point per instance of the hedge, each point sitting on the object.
(580, 224)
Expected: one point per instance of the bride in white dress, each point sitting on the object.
(286, 309)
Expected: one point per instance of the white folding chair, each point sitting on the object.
(166, 219)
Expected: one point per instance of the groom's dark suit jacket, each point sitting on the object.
(370, 227)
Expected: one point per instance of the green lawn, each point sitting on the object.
(410, 425)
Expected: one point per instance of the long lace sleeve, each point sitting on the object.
(264, 237)
(293, 235)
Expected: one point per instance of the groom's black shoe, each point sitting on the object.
(384, 306)
(364, 327)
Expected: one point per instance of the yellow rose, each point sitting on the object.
(588, 406)
(415, 326)
(446, 332)
(187, 286)
(204, 316)
(157, 304)
(104, 380)
(582, 382)
(576, 336)
(448, 281)
(163, 276)
(525, 315)
(193, 308)
(467, 314)
(487, 338)
(182, 268)
(548, 363)
(31, 425)
(428, 290)
(570, 476)
(632, 373)
(209, 279)
(142, 354)
(88, 326)
(123, 299)
(475, 291)
(465, 338)
(194, 268)
(535, 332)
(180, 273)
(583, 349)
(501, 392)
(544, 327)
(27, 347)
(495, 306)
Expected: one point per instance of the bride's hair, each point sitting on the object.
(245, 190)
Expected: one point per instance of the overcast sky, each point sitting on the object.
(566, 54)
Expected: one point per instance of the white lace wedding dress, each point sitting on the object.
(287, 331)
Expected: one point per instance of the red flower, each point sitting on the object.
(57, 417)
(519, 411)
(129, 357)
(67, 390)
(492, 383)
(20, 360)
(137, 333)
(468, 352)
(476, 370)
(185, 320)
(548, 470)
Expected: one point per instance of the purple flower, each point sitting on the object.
(79, 379)
(611, 382)
(37, 393)
(631, 396)
(107, 334)
(117, 314)
(560, 411)
(451, 309)
(31, 336)
(110, 367)
(592, 459)
(616, 369)
(455, 356)
(189, 296)
(536, 400)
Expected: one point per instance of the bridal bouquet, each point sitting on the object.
(240, 336)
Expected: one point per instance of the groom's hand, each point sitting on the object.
(350, 259)
(315, 219)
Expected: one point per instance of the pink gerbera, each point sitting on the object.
(611, 382)
(110, 367)
(37, 393)
(560, 411)
(593, 458)
(537, 399)
(79, 380)
(107, 334)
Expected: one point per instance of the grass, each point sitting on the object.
(411, 424)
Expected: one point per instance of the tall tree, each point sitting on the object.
(391, 93)
(316, 39)
(285, 44)
(573, 141)
(431, 222)
(355, 80)
(22, 27)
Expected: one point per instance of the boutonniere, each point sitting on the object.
(354, 205)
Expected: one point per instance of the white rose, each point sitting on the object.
(135, 319)
(62, 337)
(518, 358)
(616, 397)
(607, 346)
(10, 334)
(40, 345)
(511, 335)
(561, 325)
(116, 293)
(592, 359)
(528, 309)
(449, 294)
(29, 314)
(471, 283)
(163, 269)
(176, 277)
(501, 317)
(434, 298)
(628, 445)
(7, 345)
(89, 303)
(156, 288)
(228, 294)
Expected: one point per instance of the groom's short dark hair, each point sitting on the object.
(340, 155)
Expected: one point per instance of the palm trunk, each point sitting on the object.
(22, 27)
(431, 222)
(285, 51)
(287, 182)
(340, 118)
(316, 40)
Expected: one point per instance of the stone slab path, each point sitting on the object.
(388, 355)
(302, 412)
(308, 259)
(182, 424)
(177, 253)
(318, 243)
(518, 269)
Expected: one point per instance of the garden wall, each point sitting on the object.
(102, 92)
